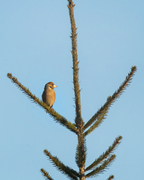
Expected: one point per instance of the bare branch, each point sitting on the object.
(64, 169)
(46, 174)
(97, 122)
(112, 98)
(57, 117)
(75, 60)
(101, 168)
(104, 155)
(111, 177)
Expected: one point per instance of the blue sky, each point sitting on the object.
(35, 47)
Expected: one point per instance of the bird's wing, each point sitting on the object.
(44, 96)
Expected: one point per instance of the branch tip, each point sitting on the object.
(9, 75)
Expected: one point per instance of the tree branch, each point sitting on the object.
(101, 168)
(64, 169)
(97, 122)
(57, 117)
(111, 177)
(75, 60)
(46, 174)
(112, 98)
(104, 155)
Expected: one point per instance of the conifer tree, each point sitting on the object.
(79, 127)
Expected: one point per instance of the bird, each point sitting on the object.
(48, 95)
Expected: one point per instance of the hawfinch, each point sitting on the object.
(48, 95)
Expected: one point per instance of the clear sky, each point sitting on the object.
(35, 47)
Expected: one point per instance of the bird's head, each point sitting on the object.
(50, 85)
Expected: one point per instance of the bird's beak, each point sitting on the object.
(55, 86)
